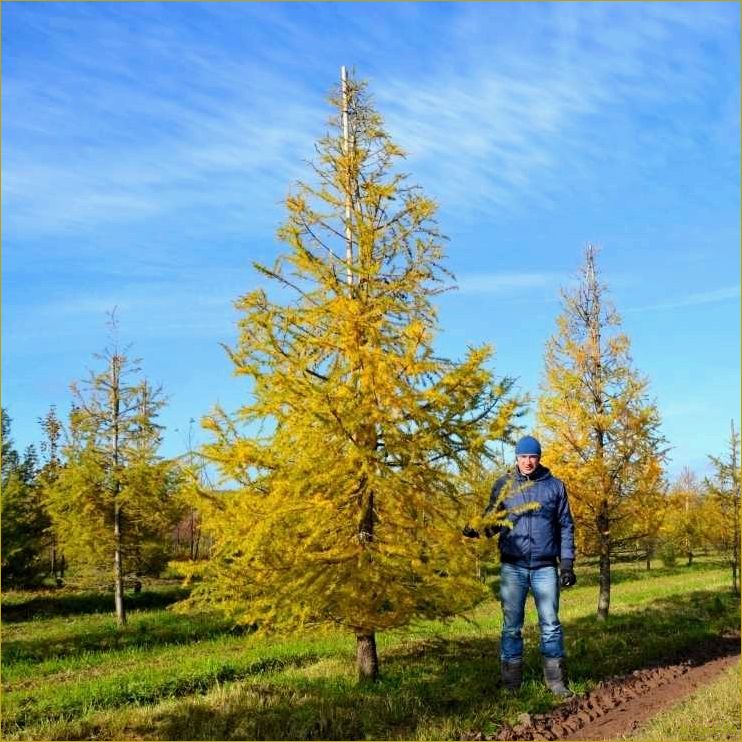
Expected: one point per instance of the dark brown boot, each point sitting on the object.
(556, 677)
(512, 675)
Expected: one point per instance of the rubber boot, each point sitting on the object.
(512, 675)
(556, 677)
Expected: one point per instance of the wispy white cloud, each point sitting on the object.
(490, 124)
(90, 147)
(227, 165)
(513, 124)
(715, 296)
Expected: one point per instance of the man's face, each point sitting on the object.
(527, 463)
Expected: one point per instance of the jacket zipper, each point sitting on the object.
(530, 538)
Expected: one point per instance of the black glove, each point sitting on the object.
(567, 576)
(490, 531)
(469, 532)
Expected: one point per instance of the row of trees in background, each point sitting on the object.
(348, 475)
(691, 516)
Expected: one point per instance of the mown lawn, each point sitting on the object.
(67, 672)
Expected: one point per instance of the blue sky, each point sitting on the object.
(147, 149)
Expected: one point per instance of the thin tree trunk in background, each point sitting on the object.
(195, 535)
(736, 514)
(118, 567)
(604, 580)
(118, 572)
(604, 594)
(592, 307)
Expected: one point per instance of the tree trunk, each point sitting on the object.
(736, 549)
(736, 497)
(118, 567)
(367, 661)
(195, 535)
(604, 592)
(118, 572)
(735, 578)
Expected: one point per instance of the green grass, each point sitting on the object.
(711, 713)
(68, 673)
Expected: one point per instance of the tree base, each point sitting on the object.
(367, 660)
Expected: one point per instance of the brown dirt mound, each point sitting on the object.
(619, 705)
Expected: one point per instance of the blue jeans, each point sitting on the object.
(515, 582)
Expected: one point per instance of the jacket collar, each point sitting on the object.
(539, 473)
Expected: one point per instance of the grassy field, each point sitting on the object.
(67, 673)
(709, 714)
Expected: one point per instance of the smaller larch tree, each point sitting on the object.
(684, 527)
(113, 499)
(723, 489)
(347, 462)
(599, 427)
(51, 451)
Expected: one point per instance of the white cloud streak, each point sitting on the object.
(715, 296)
(495, 126)
(502, 128)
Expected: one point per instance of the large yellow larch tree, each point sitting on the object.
(345, 467)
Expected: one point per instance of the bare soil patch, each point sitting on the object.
(620, 705)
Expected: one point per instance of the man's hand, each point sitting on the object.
(469, 532)
(490, 531)
(567, 576)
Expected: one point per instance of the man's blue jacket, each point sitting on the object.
(541, 537)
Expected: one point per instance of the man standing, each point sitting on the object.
(540, 541)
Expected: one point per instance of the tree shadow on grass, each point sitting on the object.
(142, 632)
(49, 605)
(441, 688)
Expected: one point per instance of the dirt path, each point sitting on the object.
(621, 705)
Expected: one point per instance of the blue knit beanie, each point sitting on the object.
(528, 446)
